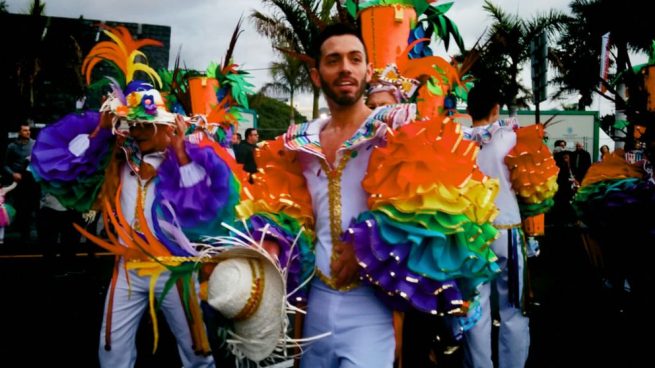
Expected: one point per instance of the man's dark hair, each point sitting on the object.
(335, 29)
(560, 142)
(481, 99)
(249, 131)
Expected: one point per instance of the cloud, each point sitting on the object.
(203, 27)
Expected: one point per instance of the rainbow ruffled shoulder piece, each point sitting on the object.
(616, 195)
(425, 241)
(279, 198)
(533, 171)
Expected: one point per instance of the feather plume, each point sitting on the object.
(233, 42)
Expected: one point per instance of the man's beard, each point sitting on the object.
(343, 100)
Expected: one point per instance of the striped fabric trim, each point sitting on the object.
(306, 137)
(483, 134)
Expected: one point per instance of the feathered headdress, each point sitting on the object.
(140, 101)
(396, 34)
(216, 95)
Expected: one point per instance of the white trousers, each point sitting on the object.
(130, 302)
(514, 332)
(361, 325)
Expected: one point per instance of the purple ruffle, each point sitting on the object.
(198, 205)
(54, 162)
(287, 252)
(385, 265)
(632, 209)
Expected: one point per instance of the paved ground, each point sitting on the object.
(52, 317)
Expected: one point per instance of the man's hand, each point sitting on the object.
(17, 177)
(106, 119)
(106, 122)
(345, 267)
(176, 139)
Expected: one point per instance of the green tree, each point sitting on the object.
(508, 48)
(573, 57)
(578, 53)
(3, 7)
(289, 77)
(293, 25)
(271, 115)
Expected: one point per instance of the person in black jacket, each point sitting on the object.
(245, 151)
(581, 160)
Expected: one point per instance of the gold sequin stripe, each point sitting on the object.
(334, 190)
(141, 198)
(256, 291)
(507, 227)
(178, 259)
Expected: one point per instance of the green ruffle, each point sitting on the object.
(533, 209)
(474, 236)
(79, 195)
(442, 255)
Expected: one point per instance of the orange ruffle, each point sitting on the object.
(427, 167)
(613, 166)
(533, 171)
(278, 187)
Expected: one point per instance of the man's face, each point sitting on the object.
(253, 138)
(381, 98)
(150, 137)
(578, 146)
(343, 71)
(24, 132)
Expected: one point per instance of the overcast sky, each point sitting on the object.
(203, 27)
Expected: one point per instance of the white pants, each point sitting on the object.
(129, 305)
(362, 329)
(514, 332)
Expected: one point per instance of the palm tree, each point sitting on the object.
(580, 49)
(293, 26)
(507, 49)
(573, 57)
(289, 76)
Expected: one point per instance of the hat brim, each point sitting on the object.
(257, 336)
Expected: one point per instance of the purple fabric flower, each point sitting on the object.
(51, 158)
(202, 203)
(148, 103)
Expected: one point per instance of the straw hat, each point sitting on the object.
(139, 103)
(248, 287)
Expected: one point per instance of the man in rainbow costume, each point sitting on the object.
(391, 205)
